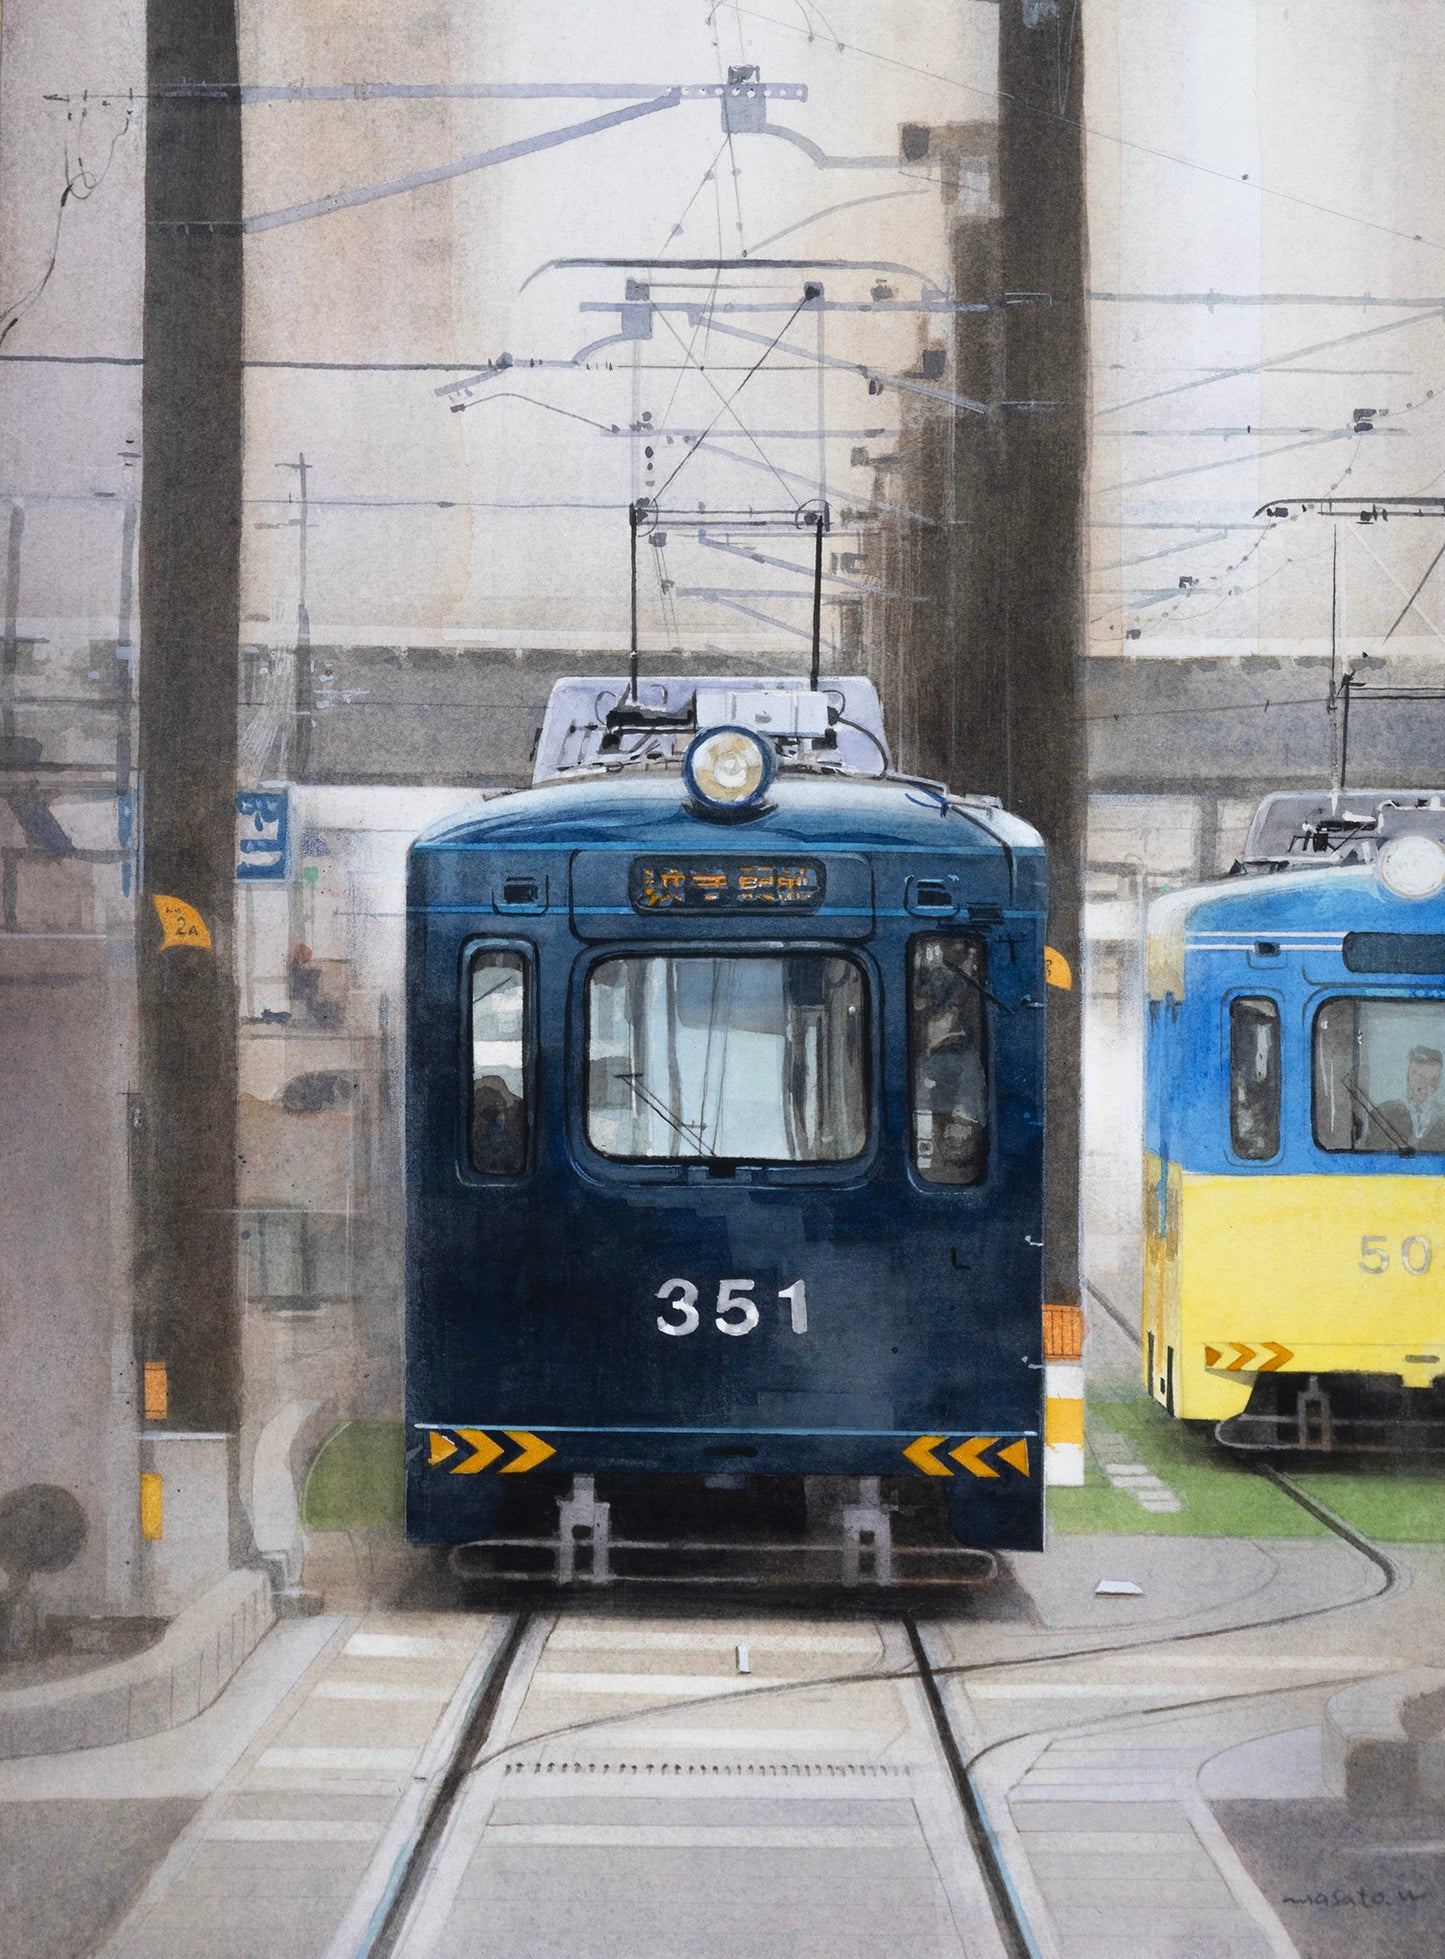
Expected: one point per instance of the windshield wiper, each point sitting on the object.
(1403, 1148)
(690, 1132)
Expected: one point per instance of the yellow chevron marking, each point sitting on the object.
(486, 1450)
(534, 1450)
(970, 1452)
(441, 1447)
(1017, 1455)
(920, 1454)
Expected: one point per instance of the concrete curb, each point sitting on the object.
(1384, 1742)
(169, 1683)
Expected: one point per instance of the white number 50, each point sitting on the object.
(1414, 1255)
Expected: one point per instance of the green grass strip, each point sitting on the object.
(1220, 1498)
(1396, 1502)
(357, 1479)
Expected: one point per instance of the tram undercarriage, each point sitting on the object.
(1338, 1414)
(760, 1533)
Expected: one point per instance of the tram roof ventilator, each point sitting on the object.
(1316, 830)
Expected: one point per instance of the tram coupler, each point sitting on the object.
(584, 1526)
(1314, 1418)
(868, 1537)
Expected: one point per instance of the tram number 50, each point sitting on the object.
(737, 1311)
(1414, 1255)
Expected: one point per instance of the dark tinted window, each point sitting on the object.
(1395, 952)
(948, 1058)
(1254, 1075)
(497, 1119)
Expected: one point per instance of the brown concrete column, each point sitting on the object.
(185, 1121)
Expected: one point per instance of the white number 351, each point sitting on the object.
(737, 1311)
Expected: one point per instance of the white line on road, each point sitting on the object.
(400, 1646)
(638, 1638)
(651, 1686)
(379, 1690)
(381, 1761)
(681, 1836)
(258, 1829)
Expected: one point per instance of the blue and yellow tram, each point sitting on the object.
(1294, 1269)
(724, 1116)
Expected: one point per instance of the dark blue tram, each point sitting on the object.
(724, 1115)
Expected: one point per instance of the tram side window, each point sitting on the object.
(497, 1124)
(1254, 1074)
(948, 1058)
(1377, 1076)
(738, 1058)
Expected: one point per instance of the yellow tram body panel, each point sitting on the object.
(1289, 1275)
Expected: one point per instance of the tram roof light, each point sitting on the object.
(1413, 866)
(729, 768)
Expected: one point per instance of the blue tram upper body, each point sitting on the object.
(1281, 939)
(549, 1306)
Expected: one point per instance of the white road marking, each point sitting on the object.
(863, 1744)
(681, 1836)
(652, 1686)
(256, 1829)
(379, 1690)
(640, 1639)
(399, 1646)
(381, 1761)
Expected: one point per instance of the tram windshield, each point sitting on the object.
(1377, 1076)
(740, 1058)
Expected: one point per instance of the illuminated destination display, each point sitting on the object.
(698, 884)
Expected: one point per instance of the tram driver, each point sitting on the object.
(1418, 1120)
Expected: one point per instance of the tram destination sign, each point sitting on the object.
(794, 884)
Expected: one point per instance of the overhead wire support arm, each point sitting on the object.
(1368, 510)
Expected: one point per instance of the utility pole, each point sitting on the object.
(1018, 609)
(298, 748)
(187, 1326)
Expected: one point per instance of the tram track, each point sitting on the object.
(392, 1922)
(396, 1920)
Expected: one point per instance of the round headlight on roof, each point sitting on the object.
(1413, 866)
(729, 768)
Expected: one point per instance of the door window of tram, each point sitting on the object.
(1377, 1076)
(743, 1058)
(497, 1119)
(1254, 1079)
(948, 1058)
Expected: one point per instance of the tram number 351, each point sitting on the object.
(1375, 1256)
(737, 1312)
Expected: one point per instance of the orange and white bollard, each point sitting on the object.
(1064, 1396)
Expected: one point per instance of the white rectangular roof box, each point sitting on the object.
(771, 710)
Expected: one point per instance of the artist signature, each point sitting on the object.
(1362, 1898)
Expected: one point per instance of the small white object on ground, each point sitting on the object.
(1118, 1588)
(745, 1664)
